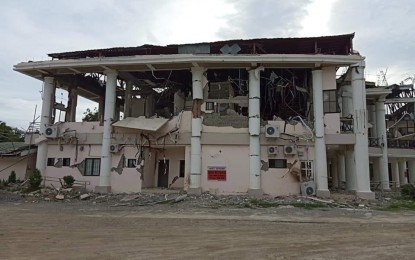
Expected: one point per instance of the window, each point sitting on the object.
(51, 162)
(306, 169)
(92, 166)
(181, 168)
(330, 101)
(66, 162)
(210, 106)
(131, 163)
(277, 163)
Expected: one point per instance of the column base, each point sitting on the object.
(194, 191)
(323, 193)
(256, 193)
(103, 189)
(365, 195)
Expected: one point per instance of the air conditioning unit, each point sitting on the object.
(308, 188)
(51, 131)
(290, 150)
(272, 149)
(272, 131)
(114, 148)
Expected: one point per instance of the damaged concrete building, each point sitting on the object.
(258, 116)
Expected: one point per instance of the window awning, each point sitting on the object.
(142, 123)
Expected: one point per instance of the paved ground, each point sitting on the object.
(56, 230)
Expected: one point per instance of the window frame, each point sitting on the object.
(131, 163)
(51, 161)
(275, 165)
(209, 106)
(93, 165)
(307, 166)
(327, 104)
(66, 162)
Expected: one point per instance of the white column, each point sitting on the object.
(106, 158)
(341, 169)
(335, 172)
(101, 108)
(376, 171)
(350, 170)
(48, 97)
(372, 115)
(254, 131)
(127, 98)
(411, 171)
(196, 147)
(320, 141)
(395, 174)
(381, 134)
(402, 170)
(361, 149)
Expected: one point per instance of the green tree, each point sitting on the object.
(90, 116)
(10, 134)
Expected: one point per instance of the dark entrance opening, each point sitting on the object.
(163, 174)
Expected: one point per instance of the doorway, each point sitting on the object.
(163, 174)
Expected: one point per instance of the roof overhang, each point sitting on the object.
(141, 123)
(39, 69)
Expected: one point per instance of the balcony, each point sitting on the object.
(402, 144)
(374, 142)
(346, 125)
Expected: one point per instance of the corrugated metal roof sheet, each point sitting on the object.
(141, 123)
(11, 148)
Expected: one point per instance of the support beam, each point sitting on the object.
(195, 141)
(128, 97)
(411, 171)
(395, 174)
(320, 142)
(70, 115)
(381, 134)
(334, 172)
(376, 171)
(361, 149)
(350, 170)
(341, 169)
(48, 97)
(106, 158)
(254, 131)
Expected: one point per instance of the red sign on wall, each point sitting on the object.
(216, 173)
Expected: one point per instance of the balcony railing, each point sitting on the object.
(374, 142)
(403, 144)
(346, 125)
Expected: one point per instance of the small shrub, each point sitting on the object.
(69, 180)
(12, 177)
(35, 179)
(408, 191)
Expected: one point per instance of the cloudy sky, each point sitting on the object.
(32, 29)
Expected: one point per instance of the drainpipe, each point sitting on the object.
(106, 158)
(196, 146)
(320, 141)
(361, 149)
(381, 134)
(254, 131)
(45, 119)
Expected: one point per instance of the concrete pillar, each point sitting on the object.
(361, 149)
(350, 170)
(320, 142)
(254, 131)
(341, 165)
(101, 109)
(402, 171)
(70, 115)
(411, 171)
(381, 134)
(196, 147)
(128, 97)
(48, 99)
(376, 171)
(395, 174)
(334, 172)
(106, 158)
(372, 115)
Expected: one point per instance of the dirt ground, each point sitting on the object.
(82, 230)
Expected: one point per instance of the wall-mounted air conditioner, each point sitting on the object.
(272, 150)
(51, 131)
(272, 131)
(290, 150)
(114, 148)
(308, 188)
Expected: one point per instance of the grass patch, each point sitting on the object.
(398, 205)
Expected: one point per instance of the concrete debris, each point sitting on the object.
(67, 190)
(60, 197)
(85, 196)
(129, 198)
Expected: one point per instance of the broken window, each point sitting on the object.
(51, 162)
(66, 162)
(131, 163)
(181, 168)
(306, 170)
(277, 163)
(210, 106)
(92, 166)
(330, 104)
